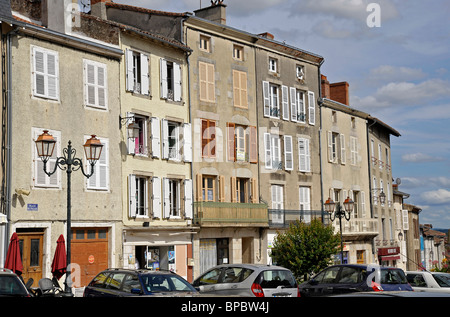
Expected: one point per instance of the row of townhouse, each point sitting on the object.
(214, 139)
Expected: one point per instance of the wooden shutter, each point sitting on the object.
(294, 110)
(266, 96)
(100, 178)
(363, 204)
(165, 138)
(163, 78)
(130, 142)
(187, 142)
(288, 153)
(129, 70)
(285, 102)
(199, 187)
(203, 81)
(253, 150)
(330, 146)
(156, 137)
(343, 152)
(221, 188)
(233, 190)
(40, 178)
(304, 155)
(156, 197)
(166, 198)
(145, 80)
(211, 83)
(176, 82)
(267, 151)
(254, 191)
(405, 219)
(188, 208)
(45, 73)
(312, 108)
(231, 147)
(132, 196)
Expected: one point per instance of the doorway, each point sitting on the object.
(31, 252)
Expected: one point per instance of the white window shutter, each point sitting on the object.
(176, 82)
(267, 151)
(285, 102)
(100, 179)
(343, 152)
(145, 80)
(187, 140)
(165, 138)
(130, 73)
(166, 198)
(312, 108)
(156, 139)
(266, 99)
(288, 153)
(52, 72)
(188, 199)
(304, 155)
(363, 204)
(405, 219)
(330, 146)
(294, 109)
(132, 196)
(163, 74)
(131, 142)
(156, 197)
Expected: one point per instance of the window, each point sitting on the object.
(176, 141)
(300, 72)
(336, 148)
(304, 155)
(305, 202)
(242, 189)
(41, 179)
(170, 80)
(100, 179)
(272, 151)
(298, 113)
(138, 194)
(137, 80)
(271, 100)
(209, 188)
(354, 150)
(273, 65)
(238, 52)
(242, 143)
(207, 82)
(45, 73)
(208, 138)
(139, 145)
(277, 197)
(205, 43)
(288, 153)
(95, 84)
(240, 89)
(312, 108)
(175, 191)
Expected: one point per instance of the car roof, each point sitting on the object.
(138, 271)
(251, 266)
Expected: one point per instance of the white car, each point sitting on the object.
(429, 281)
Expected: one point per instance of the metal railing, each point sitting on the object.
(282, 218)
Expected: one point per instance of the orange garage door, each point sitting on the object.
(90, 251)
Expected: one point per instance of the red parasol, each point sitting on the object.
(59, 264)
(13, 260)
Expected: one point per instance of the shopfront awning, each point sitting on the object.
(390, 258)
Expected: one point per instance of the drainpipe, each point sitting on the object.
(370, 180)
(320, 103)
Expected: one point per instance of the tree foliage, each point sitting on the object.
(305, 248)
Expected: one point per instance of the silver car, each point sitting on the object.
(251, 280)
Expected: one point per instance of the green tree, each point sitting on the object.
(305, 248)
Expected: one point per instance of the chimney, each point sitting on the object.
(216, 12)
(339, 92)
(267, 35)
(98, 8)
(57, 15)
(325, 87)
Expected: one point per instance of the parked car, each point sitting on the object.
(250, 280)
(347, 278)
(12, 285)
(429, 281)
(124, 282)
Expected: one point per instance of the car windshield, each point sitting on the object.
(393, 276)
(442, 280)
(11, 286)
(165, 283)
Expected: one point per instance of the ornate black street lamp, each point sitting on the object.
(340, 212)
(45, 144)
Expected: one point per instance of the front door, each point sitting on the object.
(31, 247)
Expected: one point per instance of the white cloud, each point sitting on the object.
(420, 158)
(395, 73)
(436, 197)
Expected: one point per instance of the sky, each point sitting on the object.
(395, 55)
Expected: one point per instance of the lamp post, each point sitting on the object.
(340, 212)
(45, 144)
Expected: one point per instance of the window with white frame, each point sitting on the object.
(300, 72)
(100, 179)
(305, 202)
(175, 192)
(137, 79)
(205, 43)
(304, 156)
(336, 148)
(354, 150)
(170, 80)
(176, 141)
(273, 65)
(298, 112)
(40, 179)
(95, 84)
(272, 151)
(139, 145)
(277, 193)
(138, 195)
(271, 100)
(45, 71)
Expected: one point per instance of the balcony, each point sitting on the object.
(219, 214)
(282, 218)
(358, 228)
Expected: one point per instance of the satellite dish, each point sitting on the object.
(398, 181)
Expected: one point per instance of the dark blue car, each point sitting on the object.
(347, 278)
(123, 282)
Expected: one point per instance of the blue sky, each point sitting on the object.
(398, 72)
